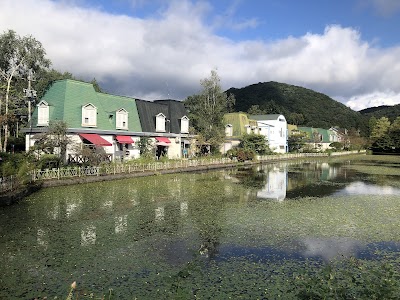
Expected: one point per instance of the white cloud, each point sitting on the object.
(167, 55)
(373, 99)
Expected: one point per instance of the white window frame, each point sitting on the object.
(121, 119)
(160, 122)
(184, 124)
(228, 130)
(248, 129)
(89, 115)
(43, 113)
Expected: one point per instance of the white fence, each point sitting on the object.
(10, 183)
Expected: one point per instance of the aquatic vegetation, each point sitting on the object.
(211, 235)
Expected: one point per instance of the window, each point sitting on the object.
(228, 130)
(121, 119)
(160, 123)
(43, 114)
(89, 115)
(184, 124)
(248, 129)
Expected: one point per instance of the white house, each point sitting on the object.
(274, 128)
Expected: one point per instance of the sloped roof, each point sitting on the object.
(110, 104)
(324, 133)
(66, 98)
(265, 117)
(238, 121)
(173, 110)
(176, 111)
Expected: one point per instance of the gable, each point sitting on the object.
(66, 98)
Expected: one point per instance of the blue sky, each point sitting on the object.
(276, 19)
(158, 49)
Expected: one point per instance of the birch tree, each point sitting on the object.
(206, 110)
(17, 56)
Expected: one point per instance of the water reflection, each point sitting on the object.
(329, 248)
(88, 235)
(362, 188)
(275, 185)
(308, 179)
(121, 224)
(130, 228)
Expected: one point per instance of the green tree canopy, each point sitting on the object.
(255, 142)
(18, 56)
(380, 128)
(206, 110)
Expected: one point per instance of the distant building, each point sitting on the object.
(319, 138)
(236, 125)
(274, 128)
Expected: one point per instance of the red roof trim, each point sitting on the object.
(163, 139)
(95, 139)
(124, 139)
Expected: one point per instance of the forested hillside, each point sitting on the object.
(391, 112)
(300, 106)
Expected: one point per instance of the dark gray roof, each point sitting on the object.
(172, 109)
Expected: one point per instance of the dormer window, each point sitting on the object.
(121, 119)
(160, 123)
(43, 113)
(184, 124)
(228, 130)
(89, 115)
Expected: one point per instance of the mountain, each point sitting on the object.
(391, 112)
(299, 105)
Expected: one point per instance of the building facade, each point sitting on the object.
(274, 128)
(112, 124)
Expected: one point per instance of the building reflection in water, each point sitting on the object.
(160, 213)
(184, 208)
(42, 238)
(121, 224)
(275, 185)
(88, 235)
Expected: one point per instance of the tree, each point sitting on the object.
(256, 110)
(18, 55)
(296, 119)
(55, 140)
(206, 110)
(146, 147)
(394, 133)
(255, 142)
(297, 141)
(380, 128)
(45, 77)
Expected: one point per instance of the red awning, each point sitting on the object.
(95, 139)
(162, 139)
(124, 139)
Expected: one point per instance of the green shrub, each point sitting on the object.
(48, 161)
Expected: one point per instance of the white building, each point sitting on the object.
(274, 128)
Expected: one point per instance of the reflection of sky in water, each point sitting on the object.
(280, 184)
(362, 188)
(325, 249)
(329, 248)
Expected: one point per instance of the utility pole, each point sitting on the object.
(30, 95)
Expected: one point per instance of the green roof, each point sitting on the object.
(323, 133)
(238, 121)
(66, 98)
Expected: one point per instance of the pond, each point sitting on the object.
(242, 233)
